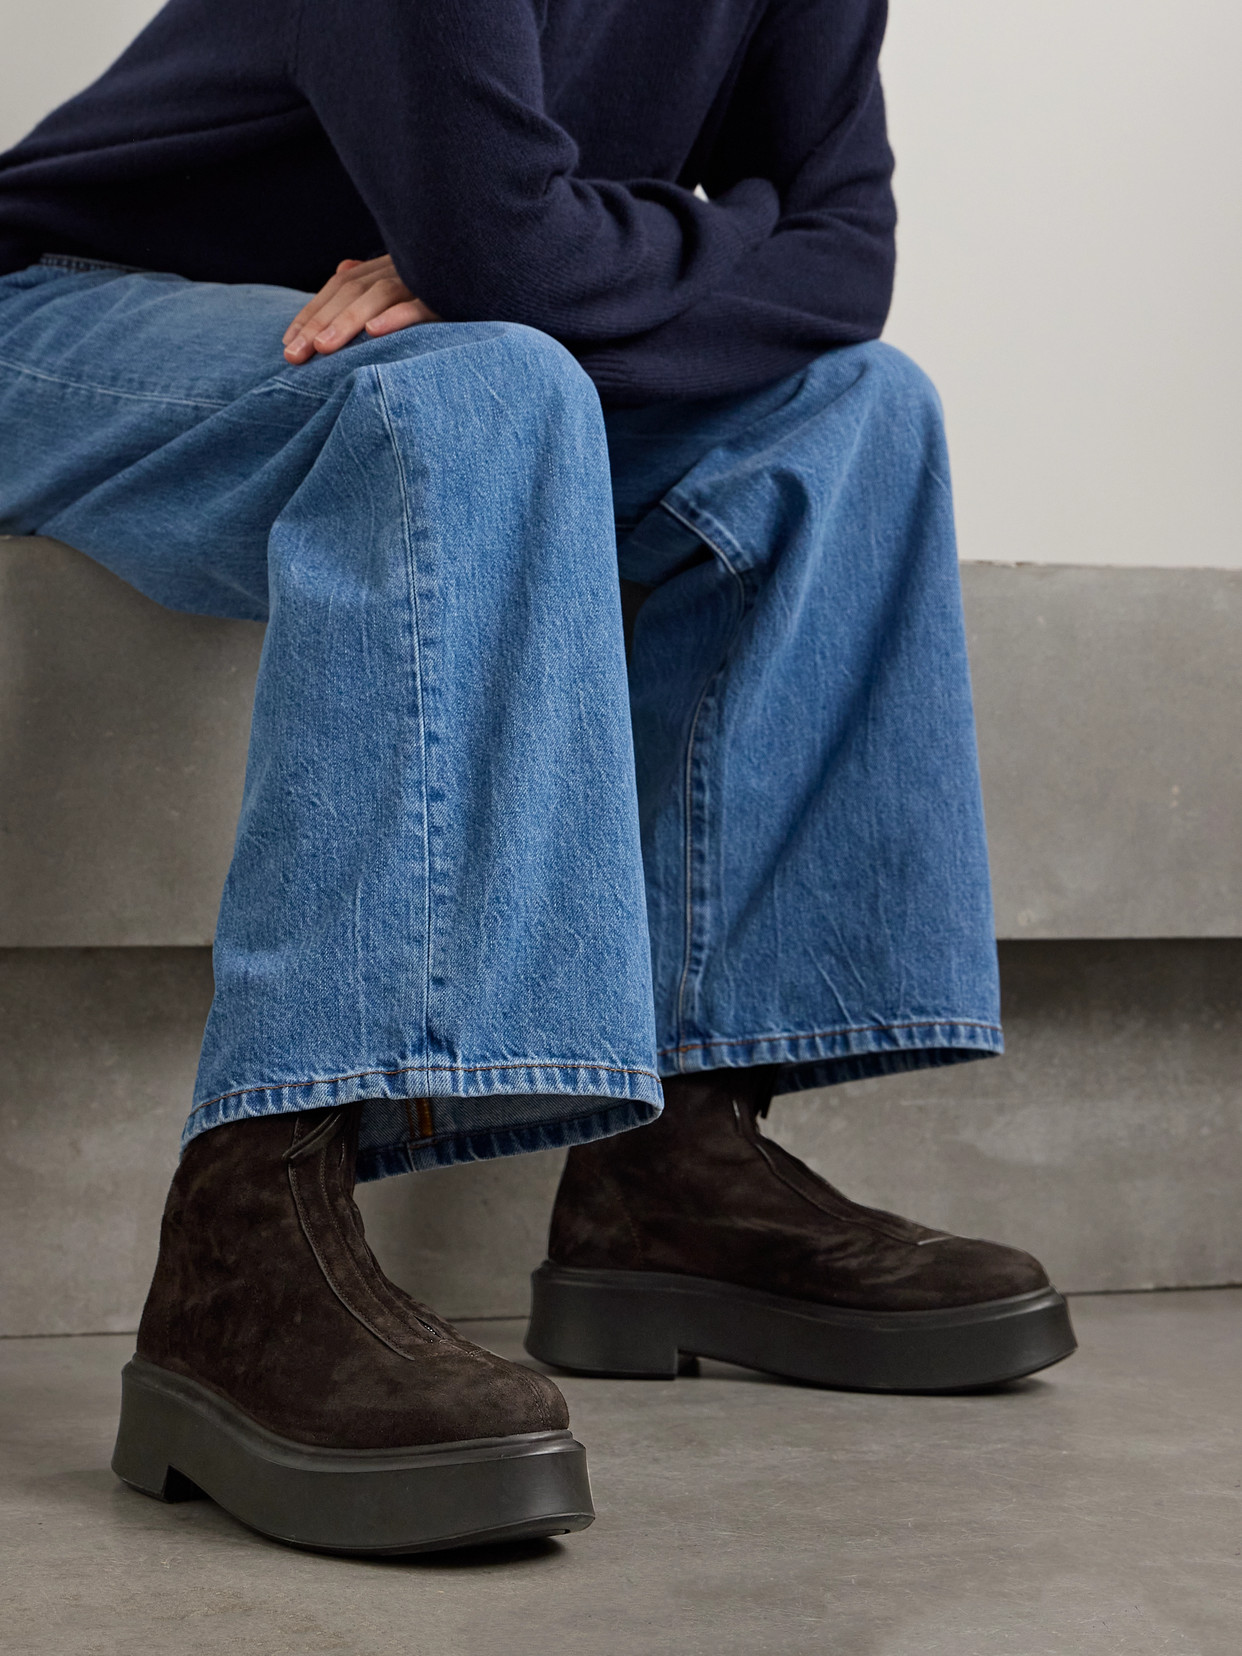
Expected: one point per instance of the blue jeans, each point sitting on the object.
(475, 882)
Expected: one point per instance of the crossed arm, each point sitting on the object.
(657, 292)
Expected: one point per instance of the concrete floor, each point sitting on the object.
(1095, 1512)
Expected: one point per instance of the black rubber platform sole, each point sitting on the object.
(639, 1322)
(177, 1441)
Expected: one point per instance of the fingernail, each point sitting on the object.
(327, 337)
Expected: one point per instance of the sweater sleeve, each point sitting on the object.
(808, 114)
(436, 109)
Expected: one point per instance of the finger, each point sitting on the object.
(408, 314)
(353, 291)
(330, 307)
(314, 305)
(331, 299)
(299, 350)
(327, 331)
(382, 265)
(348, 322)
(332, 304)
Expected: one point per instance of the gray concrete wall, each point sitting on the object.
(1108, 705)
(123, 731)
(1108, 1140)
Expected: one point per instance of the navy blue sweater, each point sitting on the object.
(524, 160)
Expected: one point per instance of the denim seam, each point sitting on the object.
(416, 634)
(428, 1069)
(841, 1029)
(432, 1139)
(688, 951)
(481, 1144)
(693, 797)
(85, 267)
(282, 385)
(695, 519)
(109, 391)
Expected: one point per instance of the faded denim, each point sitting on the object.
(472, 883)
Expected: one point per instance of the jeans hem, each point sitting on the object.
(486, 1144)
(476, 1111)
(830, 1057)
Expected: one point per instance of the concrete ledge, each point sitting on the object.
(1108, 716)
(123, 731)
(1108, 708)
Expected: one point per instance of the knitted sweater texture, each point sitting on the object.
(533, 161)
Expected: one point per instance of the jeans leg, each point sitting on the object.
(481, 908)
(435, 901)
(817, 881)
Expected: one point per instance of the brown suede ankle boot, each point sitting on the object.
(698, 1236)
(279, 1371)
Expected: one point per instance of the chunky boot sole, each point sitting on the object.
(638, 1323)
(177, 1440)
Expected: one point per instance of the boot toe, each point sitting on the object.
(551, 1401)
(970, 1271)
(477, 1394)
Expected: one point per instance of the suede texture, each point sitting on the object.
(266, 1292)
(702, 1193)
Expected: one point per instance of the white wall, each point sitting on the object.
(50, 49)
(1070, 273)
(1070, 268)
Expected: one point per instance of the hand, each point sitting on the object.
(361, 295)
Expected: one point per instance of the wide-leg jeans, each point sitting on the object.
(478, 882)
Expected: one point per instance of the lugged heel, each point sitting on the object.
(144, 1443)
(588, 1322)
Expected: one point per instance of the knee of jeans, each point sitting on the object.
(899, 385)
(540, 364)
(521, 366)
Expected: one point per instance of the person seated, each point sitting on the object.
(425, 334)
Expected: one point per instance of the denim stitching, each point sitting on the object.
(273, 385)
(452, 1133)
(85, 267)
(707, 691)
(483, 1144)
(107, 390)
(416, 629)
(689, 864)
(841, 1029)
(430, 1069)
(695, 523)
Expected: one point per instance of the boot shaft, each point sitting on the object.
(698, 1160)
(266, 1293)
(259, 1230)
